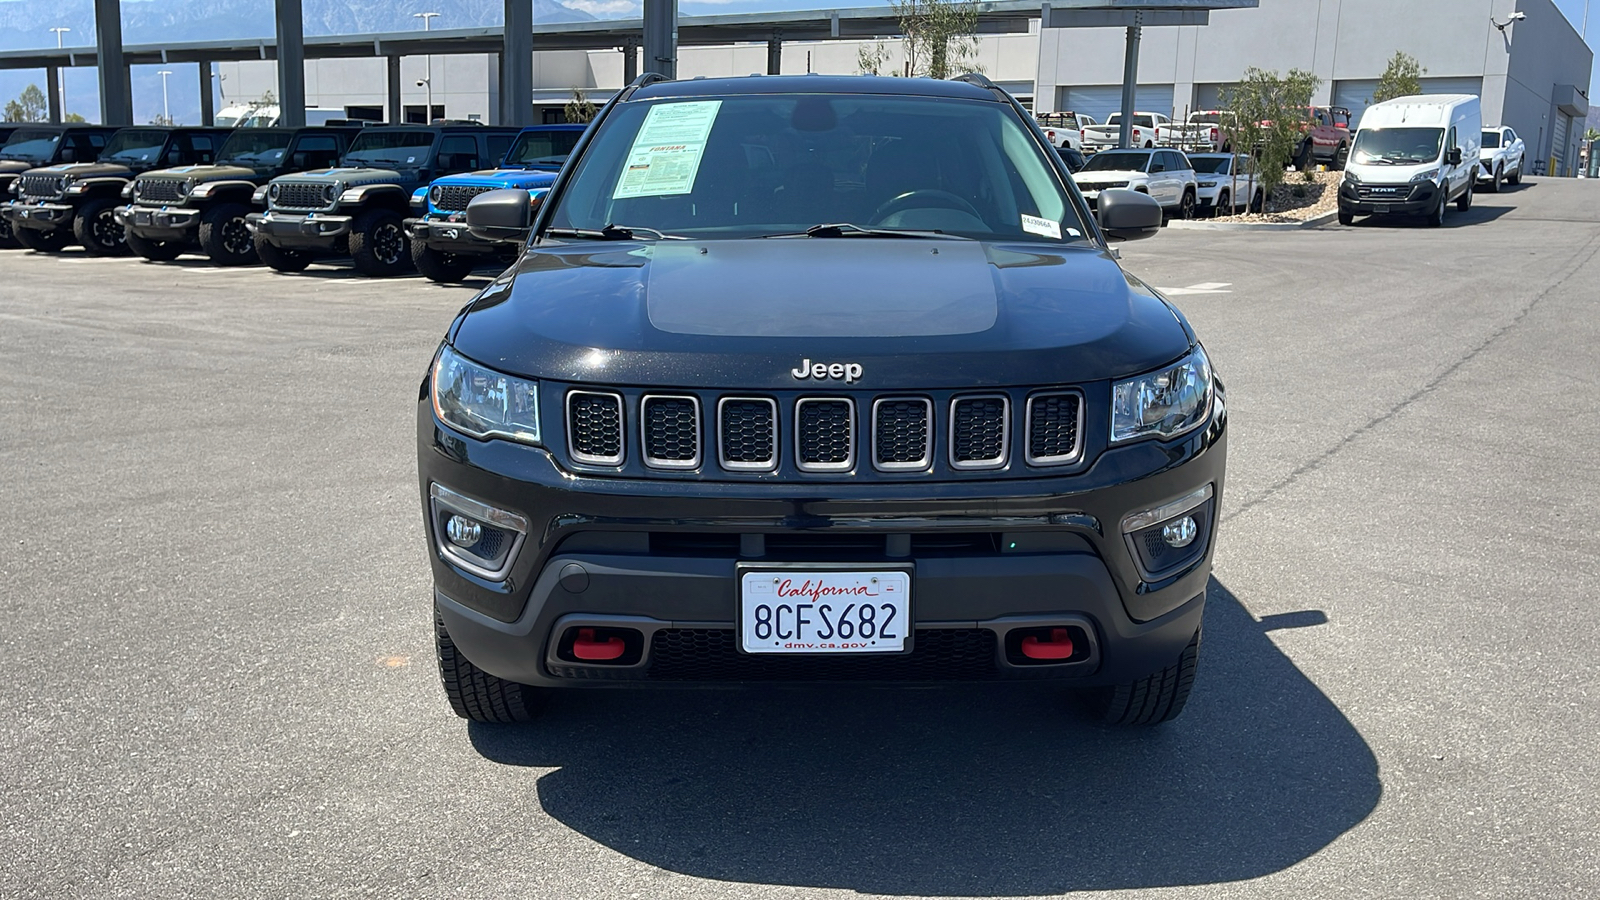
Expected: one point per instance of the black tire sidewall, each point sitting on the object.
(83, 226)
(361, 237)
(211, 225)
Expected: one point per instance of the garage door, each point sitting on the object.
(1101, 101)
(1210, 96)
(1558, 142)
(1357, 94)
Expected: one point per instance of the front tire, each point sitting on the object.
(224, 237)
(8, 241)
(155, 251)
(1224, 205)
(1464, 202)
(1436, 219)
(1516, 176)
(1341, 157)
(1346, 218)
(280, 258)
(53, 241)
(1186, 205)
(378, 244)
(475, 694)
(1494, 180)
(1302, 158)
(1258, 203)
(439, 266)
(1150, 700)
(98, 230)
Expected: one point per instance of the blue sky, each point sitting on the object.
(1574, 10)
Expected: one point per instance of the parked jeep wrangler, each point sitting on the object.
(441, 247)
(203, 207)
(31, 146)
(360, 207)
(77, 201)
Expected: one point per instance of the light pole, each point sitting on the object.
(166, 113)
(60, 30)
(427, 78)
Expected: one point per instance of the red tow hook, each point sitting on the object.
(586, 647)
(1058, 647)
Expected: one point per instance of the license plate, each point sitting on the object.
(1380, 208)
(824, 611)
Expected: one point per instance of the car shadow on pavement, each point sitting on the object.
(1477, 215)
(967, 792)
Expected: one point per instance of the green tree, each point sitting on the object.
(1592, 134)
(580, 109)
(30, 106)
(938, 36)
(74, 118)
(1401, 78)
(1266, 118)
(871, 58)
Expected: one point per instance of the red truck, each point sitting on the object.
(1326, 139)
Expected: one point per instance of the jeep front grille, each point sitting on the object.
(670, 431)
(455, 197)
(902, 433)
(39, 185)
(825, 431)
(299, 195)
(1055, 422)
(594, 427)
(979, 428)
(747, 433)
(159, 190)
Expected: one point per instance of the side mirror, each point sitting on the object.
(503, 215)
(1127, 215)
(1454, 156)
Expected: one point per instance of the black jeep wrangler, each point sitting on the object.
(77, 201)
(818, 379)
(360, 208)
(203, 207)
(31, 146)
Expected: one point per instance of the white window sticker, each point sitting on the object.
(1045, 227)
(666, 153)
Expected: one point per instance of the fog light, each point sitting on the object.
(463, 532)
(1180, 533)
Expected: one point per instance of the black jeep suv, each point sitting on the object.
(77, 201)
(360, 208)
(31, 146)
(204, 207)
(818, 379)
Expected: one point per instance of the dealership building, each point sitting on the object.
(1532, 70)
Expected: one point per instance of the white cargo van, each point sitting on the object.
(1412, 156)
(268, 117)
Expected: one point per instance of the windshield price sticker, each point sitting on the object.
(824, 612)
(666, 153)
(1043, 227)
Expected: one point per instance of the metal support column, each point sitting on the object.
(208, 106)
(291, 63)
(397, 115)
(1130, 82)
(775, 53)
(54, 74)
(516, 65)
(630, 60)
(116, 93)
(661, 37)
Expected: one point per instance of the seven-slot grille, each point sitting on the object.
(300, 195)
(455, 197)
(39, 185)
(594, 427)
(670, 431)
(160, 190)
(897, 433)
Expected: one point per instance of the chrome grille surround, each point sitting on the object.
(724, 420)
(585, 405)
(39, 186)
(156, 191)
(879, 444)
(965, 459)
(300, 195)
(455, 197)
(824, 459)
(1035, 420)
(669, 406)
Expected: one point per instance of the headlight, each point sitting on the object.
(1208, 184)
(62, 182)
(331, 192)
(1165, 404)
(188, 186)
(273, 191)
(482, 402)
(1351, 177)
(435, 194)
(1427, 175)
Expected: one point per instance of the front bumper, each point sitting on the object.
(1407, 200)
(300, 230)
(39, 216)
(661, 557)
(159, 222)
(448, 237)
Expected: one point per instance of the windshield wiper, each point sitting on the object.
(848, 229)
(614, 232)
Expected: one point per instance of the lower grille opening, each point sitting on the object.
(824, 546)
(712, 654)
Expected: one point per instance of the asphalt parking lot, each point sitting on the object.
(218, 662)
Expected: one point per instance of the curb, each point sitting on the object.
(1201, 225)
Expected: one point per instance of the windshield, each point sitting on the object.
(1205, 118)
(1138, 121)
(134, 145)
(1491, 140)
(255, 147)
(1118, 161)
(761, 165)
(31, 144)
(1397, 146)
(394, 148)
(543, 148)
(1210, 165)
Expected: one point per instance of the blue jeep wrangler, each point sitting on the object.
(441, 246)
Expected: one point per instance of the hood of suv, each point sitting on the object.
(85, 170)
(1101, 176)
(14, 166)
(501, 178)
(204, 174)
(744, 313)
(349, 177)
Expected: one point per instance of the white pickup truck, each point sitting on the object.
(1103, 137)
(1202, 132)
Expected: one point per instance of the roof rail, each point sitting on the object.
(647, 78)
(982, 80)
